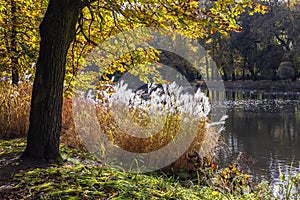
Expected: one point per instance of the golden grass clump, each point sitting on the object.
(171, 127)
(69, 135)
(14, 109)
(203, 143)
(14, 122)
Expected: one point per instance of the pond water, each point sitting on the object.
(262, 131)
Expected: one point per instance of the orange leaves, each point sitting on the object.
(261, 9)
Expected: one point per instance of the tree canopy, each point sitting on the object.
(81, 25)
(265, 41)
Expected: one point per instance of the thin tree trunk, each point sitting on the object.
(231, 64)
(207, 67)
(57, 31)
(13, 49)
(253, 76)
(225, 77)
(233, 78)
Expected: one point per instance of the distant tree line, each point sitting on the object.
(267, 46)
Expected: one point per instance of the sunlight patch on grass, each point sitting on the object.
(83, 177)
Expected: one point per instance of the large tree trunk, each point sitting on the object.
(57, 31)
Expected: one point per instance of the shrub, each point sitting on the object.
(125, 114)
(286, 71)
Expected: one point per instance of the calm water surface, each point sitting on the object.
(263, 132)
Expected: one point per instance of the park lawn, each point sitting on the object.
(81, 176)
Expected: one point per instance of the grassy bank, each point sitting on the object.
(81, 176)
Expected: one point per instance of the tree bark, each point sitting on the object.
(57, 31)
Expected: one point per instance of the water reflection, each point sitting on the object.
(265, 126)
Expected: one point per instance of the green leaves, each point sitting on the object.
(103, 19)
(194, 19)
(19, 22)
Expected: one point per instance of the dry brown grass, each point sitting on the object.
(69, 135)
(14, 122)
(14, 109)
(205, 137)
